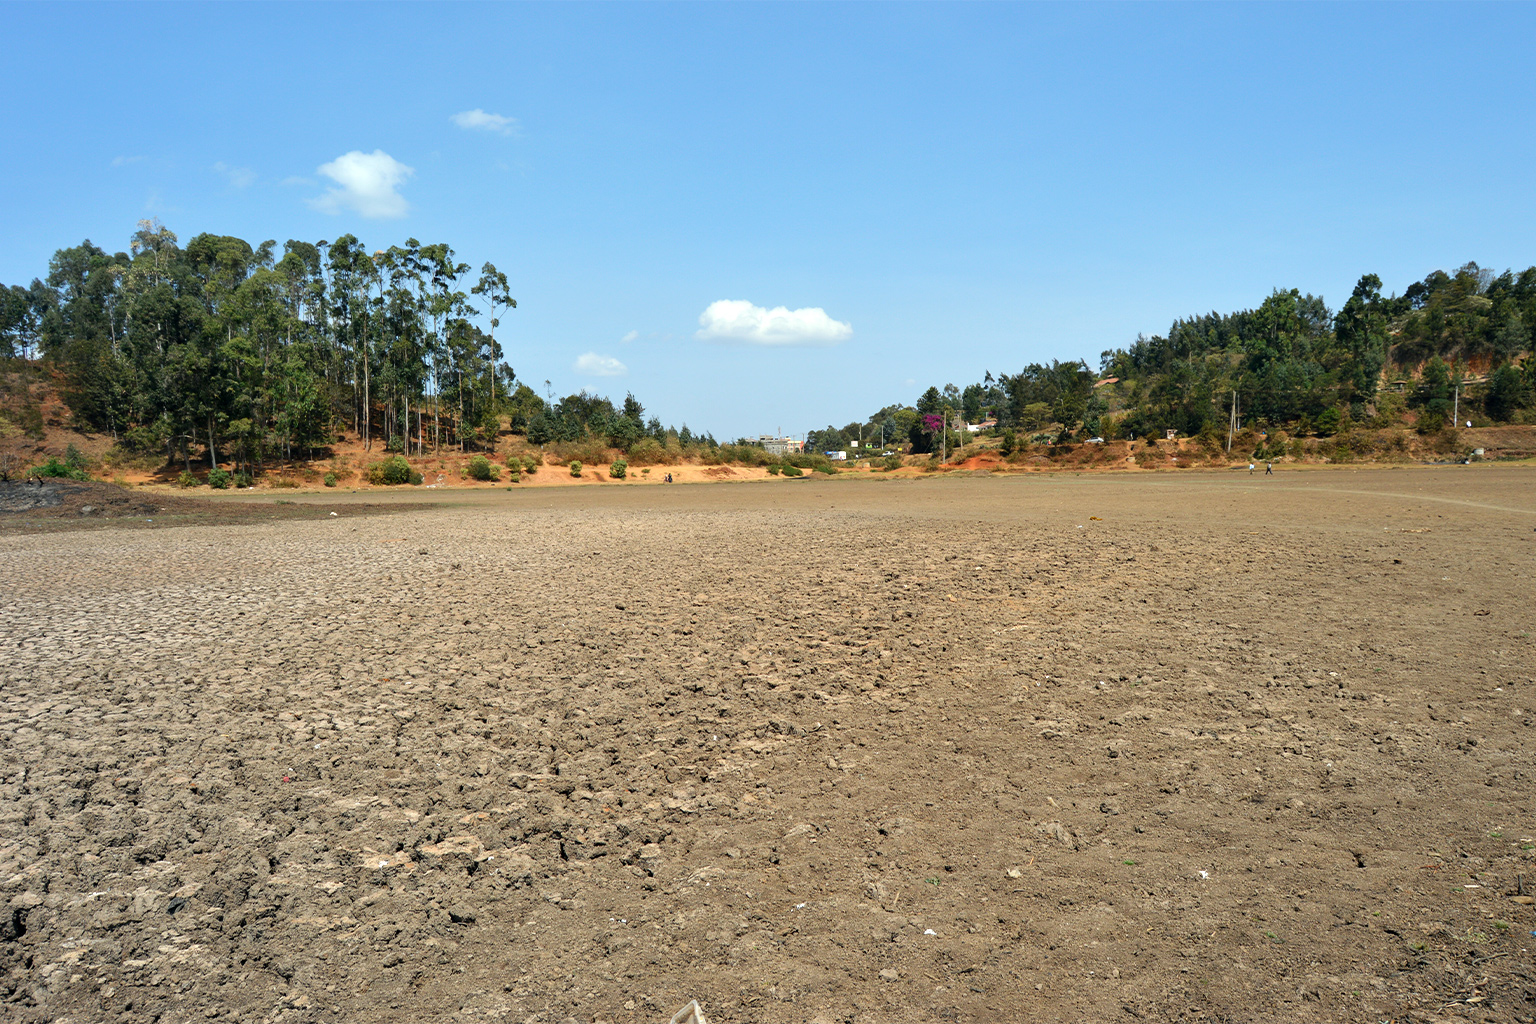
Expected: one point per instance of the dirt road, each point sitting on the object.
(1039, 748)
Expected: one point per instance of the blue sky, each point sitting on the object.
(767, 217)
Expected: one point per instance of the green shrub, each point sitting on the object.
(393, 470)
(414, 479)
(793, 471)
(773, 469)
(218, 478)
(576, 467)
(330, 479)
(31, 419)
(646, 452)
(514, 477)
(55, 468)
(242, 479)
(892, 462)
(828, 469)
(480, 468)
(186, 480)
(619, 470)
(143, 440)
(1431, 422)
(530, 464)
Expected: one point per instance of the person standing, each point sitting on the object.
(1269, 469)
(1250, 469)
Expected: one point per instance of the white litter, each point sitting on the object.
(929, 931)
(693, 1013)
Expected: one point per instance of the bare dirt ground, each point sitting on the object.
(1052, 748)
(52, 505)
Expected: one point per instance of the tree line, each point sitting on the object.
(222, 350)
(1457, 340)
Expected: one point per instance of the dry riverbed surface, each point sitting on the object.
(1205, 747)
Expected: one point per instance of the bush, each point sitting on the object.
(892, 462)
(393, 470)
(530, 464)
(53, 467)
(144, 440)
(773, 469)
(242, 479)
(828, 469)
(218, 479)
(793, 471)
(576, 467)
(619, 470)
(480, 468)
(330, 479)
(186, 480)
(514, 477)
(646, 452)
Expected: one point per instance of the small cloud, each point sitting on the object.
(478, 120)
(368, 183)
(594, 365)
(631, 336)
(123, 161)
(239, 177)
(296, 179)
(738, 320)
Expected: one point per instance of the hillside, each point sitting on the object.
(37, 425)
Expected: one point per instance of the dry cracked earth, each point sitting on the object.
(1030, 748)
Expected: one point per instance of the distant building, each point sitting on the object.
(780, 445)
(977, 428)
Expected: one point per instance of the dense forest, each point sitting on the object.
(1458, 341)
(221, 351)
(237, 353)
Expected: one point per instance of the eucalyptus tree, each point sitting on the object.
(353, 276)
(492, 289)
(443, 304)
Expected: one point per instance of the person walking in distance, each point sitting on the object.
(1269, 469)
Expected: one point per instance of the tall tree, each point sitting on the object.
(492, 289)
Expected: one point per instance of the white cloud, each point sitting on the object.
(738, 320)
(368, 185)
(297, 179)
(594, 365)
(631, 336)
(239, 177)
(478, 120)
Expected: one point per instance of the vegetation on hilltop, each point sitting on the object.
(223, 352)
(1459, 340)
